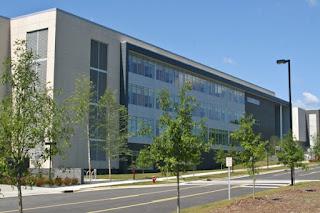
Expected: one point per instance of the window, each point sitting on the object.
(98, 74)
(37, 42)
(141, 66)
(95, 115)
(99, 84)
(253, 101)
(98, 78)
(141, 96)
(165, 74)
(137, 123)
(96, 150)
(219, 136)
(99, 55)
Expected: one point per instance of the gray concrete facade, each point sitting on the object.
(4, 47)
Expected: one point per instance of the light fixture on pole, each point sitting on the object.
(287, 61)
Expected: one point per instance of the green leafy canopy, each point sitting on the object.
(182, 140)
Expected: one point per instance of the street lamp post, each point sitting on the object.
(284, 61)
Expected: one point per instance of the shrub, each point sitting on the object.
(58, 181)
(40, 181)
(31, 181)
(67, 181)
(74, 181)
(51, 182)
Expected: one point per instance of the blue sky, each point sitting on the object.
(243, 38)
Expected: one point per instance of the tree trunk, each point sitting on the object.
(89, 154)
(254, 181)
(50, 167)
(109, 167)
(267, 160)
(20, 195)
(292, 173)
(178, 193)
(254, 186)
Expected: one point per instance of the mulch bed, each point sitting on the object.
(293, 200)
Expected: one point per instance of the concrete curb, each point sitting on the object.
(72, 189)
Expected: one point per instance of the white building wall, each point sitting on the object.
(299, 124)
(72, 59)
(44, 20)
(19, 27)
(312, 129)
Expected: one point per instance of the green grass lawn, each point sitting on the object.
(140, 176)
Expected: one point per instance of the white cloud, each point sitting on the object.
(308, 101)
(228, 60)
(312, 3)
(310, 98)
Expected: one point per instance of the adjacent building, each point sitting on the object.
(306, 126)
(68, 46)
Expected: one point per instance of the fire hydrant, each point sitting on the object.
(154, 179)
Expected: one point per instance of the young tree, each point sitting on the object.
(220, 157)
(269, 149)
(29, 117)
(144, 159)
(252, 146)
(112, 122)
(232, 151)
(274, 141)
(291, 154)
(316, 148)
(82, 111)
(182, 140)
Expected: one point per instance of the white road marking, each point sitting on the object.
(100, 200)
(159, 201)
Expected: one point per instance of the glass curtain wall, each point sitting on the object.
(217, 102)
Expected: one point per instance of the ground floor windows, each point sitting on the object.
(97, 152)
(220, 137)
(137, 124)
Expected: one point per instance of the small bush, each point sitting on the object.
(58, 181)
(74, 181)
(31, 181)
(6, 180)
(51, 182)
(40, 181)
(67, 181)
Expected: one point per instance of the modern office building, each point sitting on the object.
(68, 45)
(306, 126)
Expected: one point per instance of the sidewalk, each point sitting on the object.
(11, 191)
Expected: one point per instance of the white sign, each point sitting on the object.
(229, 164)
(229, 161)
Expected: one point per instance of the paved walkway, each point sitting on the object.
(11, 191)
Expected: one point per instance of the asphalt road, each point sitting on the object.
(160, 199)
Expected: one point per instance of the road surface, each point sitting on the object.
(155, 199)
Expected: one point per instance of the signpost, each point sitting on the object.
(229, 165)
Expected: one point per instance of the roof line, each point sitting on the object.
(234, 78)
(4, 17)
(168, 51)
(35, 13)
